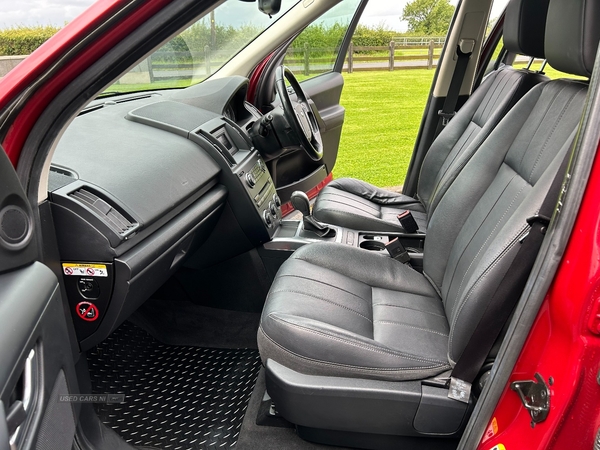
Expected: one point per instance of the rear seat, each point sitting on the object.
(358, 205)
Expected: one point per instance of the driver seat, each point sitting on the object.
(355, 204)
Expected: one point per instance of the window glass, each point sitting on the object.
(315, 50)
(200, 50)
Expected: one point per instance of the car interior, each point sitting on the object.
(203, 316)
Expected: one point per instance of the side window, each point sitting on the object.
(315, 50)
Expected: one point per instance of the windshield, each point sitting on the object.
(200, 50)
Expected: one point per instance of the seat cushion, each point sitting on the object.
(342, 311)
(358, 205)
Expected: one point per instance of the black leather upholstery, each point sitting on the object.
(340, 311)
(572, 44)
(359, 205)
(526, 40)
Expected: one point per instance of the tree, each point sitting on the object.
(428, 17)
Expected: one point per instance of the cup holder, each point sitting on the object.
(372, 245)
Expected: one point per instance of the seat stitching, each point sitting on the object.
(378, 196)
(490, 235)
(378, 287)
(382, 351)
(477, 230)
(504, 78)
(320, 298)
(512, 83)
(558, 120)
(363, 217)
(398, 199)
(541, 121)
(346, 194)
(349, 366)
(392, 322)
(375, 214)
(494, 263)
(322, 282)
(494, 98)
(442, 175)
(411, 309)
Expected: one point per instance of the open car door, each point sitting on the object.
(318, 70)
(36, 359)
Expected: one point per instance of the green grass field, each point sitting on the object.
(383, 114)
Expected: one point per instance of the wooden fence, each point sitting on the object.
(306, 60)
(366, 57)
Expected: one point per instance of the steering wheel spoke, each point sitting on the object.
(299, 114)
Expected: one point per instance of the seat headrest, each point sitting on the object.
(525, 26)
(572, 35)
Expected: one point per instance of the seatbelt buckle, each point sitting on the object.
(408, 222)
(446, 117)
(459, 390)
(397, 251)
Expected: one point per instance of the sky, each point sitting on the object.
(59, 12)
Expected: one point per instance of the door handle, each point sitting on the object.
(18, 411)
(15, 417)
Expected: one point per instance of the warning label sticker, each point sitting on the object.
(87, 311)
(85, 270)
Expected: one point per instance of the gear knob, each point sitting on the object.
(300, 202)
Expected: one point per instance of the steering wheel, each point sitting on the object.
(299, 113)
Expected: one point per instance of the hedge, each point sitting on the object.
(24, 40)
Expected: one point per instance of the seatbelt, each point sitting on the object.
(505, 297)
(464, 50)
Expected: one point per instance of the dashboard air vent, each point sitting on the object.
(114, 219)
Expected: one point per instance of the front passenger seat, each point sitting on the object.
(355, 204)
(353, 341)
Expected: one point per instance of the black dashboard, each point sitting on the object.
(139, 181)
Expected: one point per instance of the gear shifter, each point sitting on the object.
(301, 203)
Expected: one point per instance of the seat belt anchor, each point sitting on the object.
(545, 221)
(459, 390)
(446, 117)
(541, 219)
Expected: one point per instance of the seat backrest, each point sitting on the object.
(474, 232)
(525, 23)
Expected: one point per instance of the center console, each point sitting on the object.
(252, 195)
(255, 203)
(291, 235)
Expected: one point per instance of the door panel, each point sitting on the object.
(36, 360)
(325, 91)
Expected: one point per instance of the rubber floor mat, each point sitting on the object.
(175, 397)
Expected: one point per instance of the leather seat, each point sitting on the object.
(358, 205)
(340, 311)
